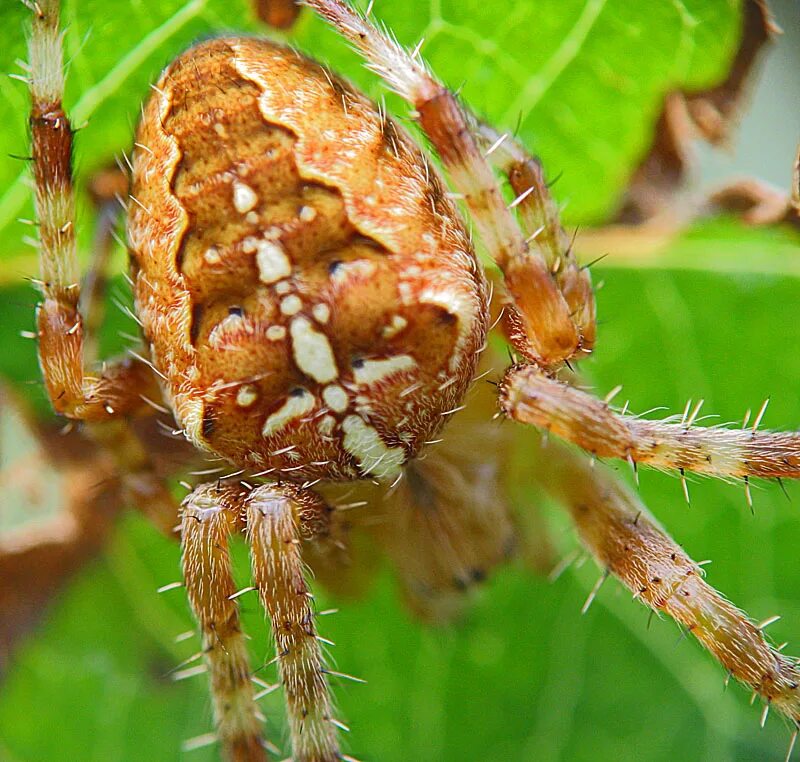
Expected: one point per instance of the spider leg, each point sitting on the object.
(530, 396)
(210, 514)
(544, 314)
(72, 391)
(628, 542)
(541, 223)
(279, 517)
(124, 387)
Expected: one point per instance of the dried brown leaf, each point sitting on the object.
(710, 115)
(755, 202)
(38, 558)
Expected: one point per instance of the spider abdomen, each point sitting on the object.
(309, 293)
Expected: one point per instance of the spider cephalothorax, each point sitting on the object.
(308, 291)
(312, 311)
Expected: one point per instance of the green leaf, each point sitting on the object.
(718, 244)
(584, 79)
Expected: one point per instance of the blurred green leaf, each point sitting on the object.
(583, 79)
(719, 244)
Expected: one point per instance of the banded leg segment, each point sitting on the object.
(210, 514)
(544, 314)
(530, 396)
(60, 328)
(541, 223)
(123, 387)
(278, 517)
(628, 542)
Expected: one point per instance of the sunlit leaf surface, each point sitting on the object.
(583, 79)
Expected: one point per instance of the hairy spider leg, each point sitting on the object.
(530, 396)
(539, 218)
(123, 388)
(628, 542)
(279, 517)
(209, 515)
(544, 311)
(276, 518)
(72, 391)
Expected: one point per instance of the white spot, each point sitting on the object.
(296, 406)
(249, 245)
(246, 395)
(321, 313)
(307, 213)
(326, 425)
(335, 398)
(273, 264)
(211, 256)
(219, 128)
(244, 197)
(312, 350)
(406, 292)
(369, 450)
(284, 287)
(252, 218)
(291, 305)
(373, 371)
(276, 333)
(397, 324)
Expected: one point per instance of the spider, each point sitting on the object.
(314, 315)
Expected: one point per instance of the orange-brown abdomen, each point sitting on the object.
(308, 292)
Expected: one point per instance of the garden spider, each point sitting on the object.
(313, 314)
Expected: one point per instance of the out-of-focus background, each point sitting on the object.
(711, 312)
(771, 122)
